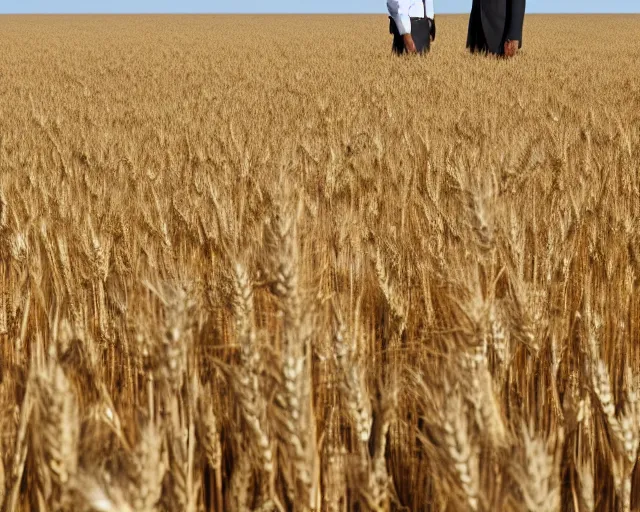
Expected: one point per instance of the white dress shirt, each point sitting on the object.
(403, 10)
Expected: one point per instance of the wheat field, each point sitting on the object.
(257, 263)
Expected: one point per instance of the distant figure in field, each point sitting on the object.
(412, 23)
(495, 26)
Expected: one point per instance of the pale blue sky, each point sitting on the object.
(280, 6)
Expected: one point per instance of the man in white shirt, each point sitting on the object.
(412, 24)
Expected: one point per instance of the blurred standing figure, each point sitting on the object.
(412, 24)
(495, 26)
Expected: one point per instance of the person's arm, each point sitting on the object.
(430, 12)
(432, 17)
(399, 11)
(514, 32)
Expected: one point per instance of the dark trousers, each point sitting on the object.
(419, 32)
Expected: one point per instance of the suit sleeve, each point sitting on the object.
(399, 11)
(514, 33)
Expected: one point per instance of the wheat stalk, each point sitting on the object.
(210, 440)
(294, 396)
(352, 384)
(247, 385)
(4, 213)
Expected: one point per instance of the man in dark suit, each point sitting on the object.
(495, 26)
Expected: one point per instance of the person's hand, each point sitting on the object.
(409, 45)
(511, 48)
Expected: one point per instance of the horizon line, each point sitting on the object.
(278, 13)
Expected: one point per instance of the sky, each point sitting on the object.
(286, 6)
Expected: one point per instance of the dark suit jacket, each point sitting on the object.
(492, 22)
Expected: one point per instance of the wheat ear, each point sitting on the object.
(460, 447)
(539, 476)
(294, 396)
(247, 384)
(59, 429)
(149, 469)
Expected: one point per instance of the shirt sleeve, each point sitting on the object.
(430, 11)
(514, 32)
(399, 12)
